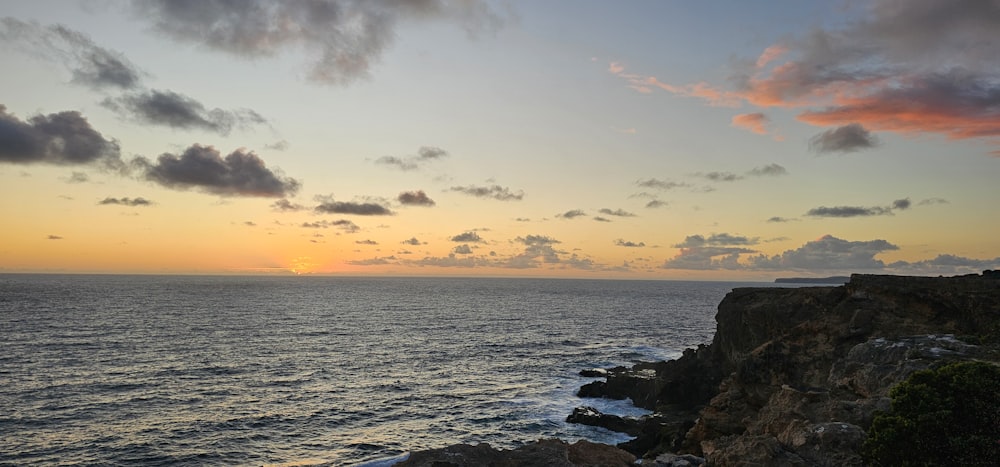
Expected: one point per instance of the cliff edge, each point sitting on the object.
(795, 376)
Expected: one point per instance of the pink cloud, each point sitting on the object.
(755, 122)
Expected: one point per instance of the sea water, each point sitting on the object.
(203, 370)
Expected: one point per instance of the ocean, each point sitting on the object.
(222, 370)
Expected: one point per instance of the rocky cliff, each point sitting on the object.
(793, 377)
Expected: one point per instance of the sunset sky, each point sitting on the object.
(644, 139)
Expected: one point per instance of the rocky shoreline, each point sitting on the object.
(793, 377)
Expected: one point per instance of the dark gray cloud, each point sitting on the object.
(64, 138)
(538, 250)
(90, 65)
(328, 206)
(125, 201)
(656, 204)
(462, 249)
(366, 242)
(601, 219)
(849, 211)
(343, 38)
(342, 224)
(424, 154)
(945, 264)
(707, 257)
(616, 212)
(827, 253)
(901, 204)
(629, 244)
(415, 198)
(240, 173)
(175, 110)
(769, 170)
(780, 219)
(496, 192)
(848, 138)
(721, 239)
(572, 214)
(467, 237)
(284, 205)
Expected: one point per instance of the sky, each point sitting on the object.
(715, 140)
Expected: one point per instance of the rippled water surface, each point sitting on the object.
(153, 370)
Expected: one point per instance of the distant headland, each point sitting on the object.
(813, 280)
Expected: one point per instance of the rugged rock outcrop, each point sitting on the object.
(794, 376)
(543, 453)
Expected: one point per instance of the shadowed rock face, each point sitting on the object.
(793, 376)
(543, 453)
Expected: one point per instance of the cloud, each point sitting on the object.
(538, 250)
(342, 224)
(415, 198)
(572, 214)
(250, 223)
(930, 201)
(849, 211)
(54, 237)
(656, 204)
(64, 138)
(377, 261)
(413, 241)
(278, 145)
(496, 192)
(90, 65)
(722, 239)
(882, 72)
(946, 264)
(329, 206)
(720, 176)
(616, 212)
(467, 237)
(174, 110)
(462, 249)
(342, 39)
(240, 173)
(756, 122)
(601, 219)
(126, 201)
(660, 184)
(78, 177)
(366, 242)
(901, 204)
(770, 170)
(779, 219)
(629, 244)
(828, 253)
(284, 205)
(717, 251)
(848, 138)
(424, 154)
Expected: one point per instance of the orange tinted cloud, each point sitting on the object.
(755, 122)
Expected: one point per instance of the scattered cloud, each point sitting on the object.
(329, 206)
(424, 155)
(653, 204)
(282, 145)
(719, 176)
(827, 253)
(901, 204)
(849, 211)
(377, 261)
(54, 237)
(769, 170)
(174, 110)
(415, 198)
(572, 214)
(496, 192)
(90, 65)
(413, 241)
(250, 223)
(240, 173)
(283, 205)
(756, 122)
(126, 201)
(462, 249)
(848, 138)
(467, 237)
(616, 212)
(601, 219)
(342, 224)
(779, 219)
(930, 201)
(78, 177)
(660, 184)
(366, 242)
(342, 39)
(629, 244)
(945, 264)
(64, 138)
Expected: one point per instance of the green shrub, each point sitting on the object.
(945, 416)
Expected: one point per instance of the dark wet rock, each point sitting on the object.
(542, 453)
(594, 373)
(593, 417)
